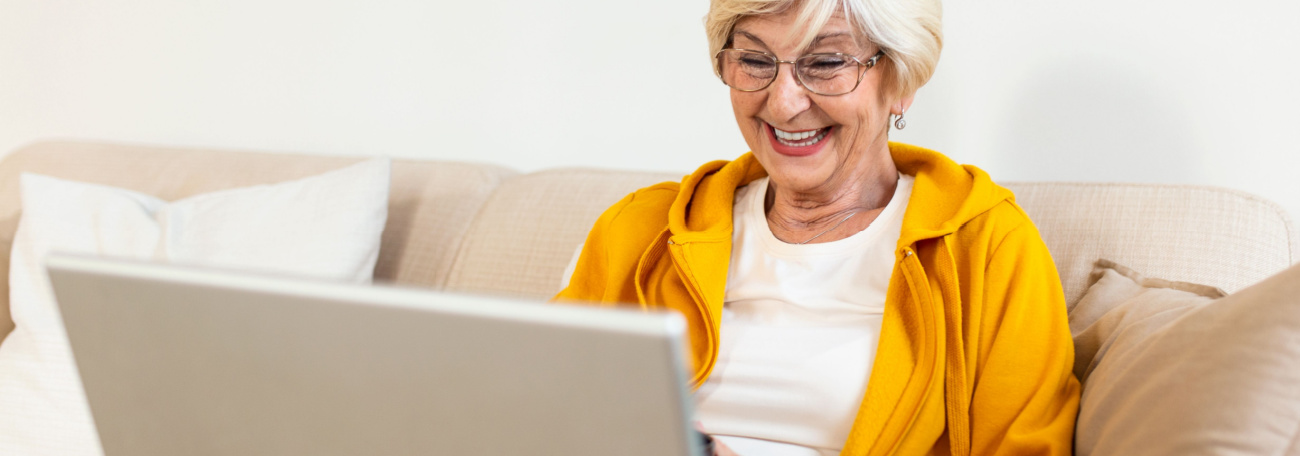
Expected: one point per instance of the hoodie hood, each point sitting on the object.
(945, 195)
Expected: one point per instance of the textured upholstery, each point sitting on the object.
(529, 229)
(1212, 236)
(431, 204)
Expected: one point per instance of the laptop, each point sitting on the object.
(180, 360)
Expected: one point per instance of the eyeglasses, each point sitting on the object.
(828, 74)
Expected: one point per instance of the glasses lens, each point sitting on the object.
(746, 70)
(828, 74)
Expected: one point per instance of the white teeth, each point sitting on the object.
(788, 136)
(795, 139)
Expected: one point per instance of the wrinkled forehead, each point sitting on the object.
(798, 29)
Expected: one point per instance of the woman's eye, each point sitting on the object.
(827, 63)
(755, 62)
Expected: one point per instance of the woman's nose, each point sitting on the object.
(786, 97)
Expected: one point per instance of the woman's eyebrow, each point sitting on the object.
(816, 41)
(750, 36)
(826, 37)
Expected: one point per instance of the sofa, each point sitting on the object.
(481, 228)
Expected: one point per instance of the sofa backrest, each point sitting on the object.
(485, 229)
(1207, 235)
(430, 208)
(530, 228)
(532, 225)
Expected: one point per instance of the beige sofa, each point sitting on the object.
(488, 229)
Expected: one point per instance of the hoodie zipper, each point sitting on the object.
(914, 276)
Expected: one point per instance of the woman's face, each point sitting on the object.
(853, 127)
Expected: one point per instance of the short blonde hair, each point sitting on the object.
(908, 31)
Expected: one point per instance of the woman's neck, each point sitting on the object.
(796, 216)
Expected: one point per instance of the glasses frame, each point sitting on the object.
(865, 66)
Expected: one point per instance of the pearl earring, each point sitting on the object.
(900, 123)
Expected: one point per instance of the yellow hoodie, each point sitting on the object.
(975, 353)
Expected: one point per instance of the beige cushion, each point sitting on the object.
(1169, 369)
(1220, 237)
(431, 204)
(521, 242)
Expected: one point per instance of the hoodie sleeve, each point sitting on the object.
(1025, 397)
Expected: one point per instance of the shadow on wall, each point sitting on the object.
(1098, 121)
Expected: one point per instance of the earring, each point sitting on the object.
(900, 123)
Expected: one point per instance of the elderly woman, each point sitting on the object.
(844, 294)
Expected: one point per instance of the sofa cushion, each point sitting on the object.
(1174, 368)
(326, 227)
(431, 204)
(523, 238)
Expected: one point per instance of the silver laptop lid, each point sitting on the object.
(186, 361)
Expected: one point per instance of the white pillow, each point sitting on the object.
(327, 226)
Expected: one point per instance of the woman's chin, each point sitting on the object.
(800, 173)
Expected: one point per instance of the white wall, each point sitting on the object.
(1196, 92)
(1190, 91)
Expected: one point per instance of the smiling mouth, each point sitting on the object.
(800, 138)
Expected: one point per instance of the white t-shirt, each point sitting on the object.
(800, 327)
